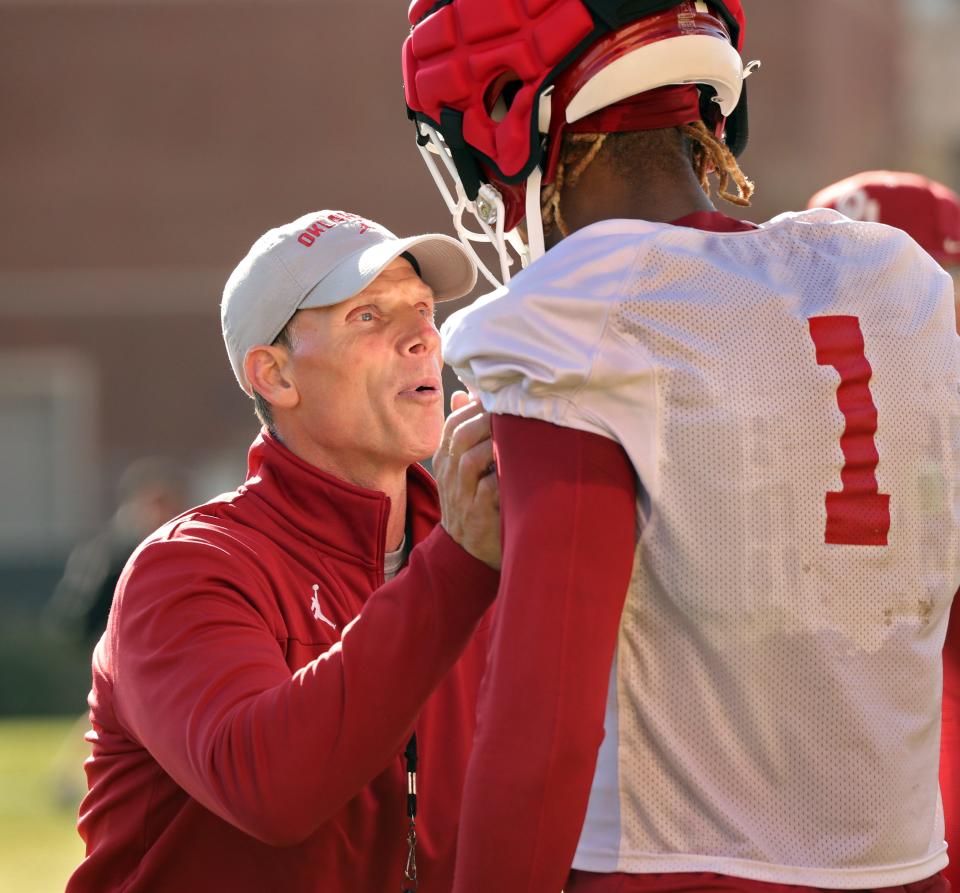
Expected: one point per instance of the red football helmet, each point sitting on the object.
(493, 84)
(924, 209)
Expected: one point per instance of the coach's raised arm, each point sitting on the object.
(270, 654)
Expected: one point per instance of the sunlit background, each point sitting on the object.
(144, 145)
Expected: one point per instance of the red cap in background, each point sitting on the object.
(926, 210)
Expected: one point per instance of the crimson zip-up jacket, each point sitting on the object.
(257, 684)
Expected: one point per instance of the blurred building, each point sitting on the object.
(931, 74)
(147, 143)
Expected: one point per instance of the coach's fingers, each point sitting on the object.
(489, 490)
(475, 465)
(459, 399)
(453, 421)
(474, 430)
(460, 438)
(488, 487)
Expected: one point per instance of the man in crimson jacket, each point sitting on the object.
(262, 674)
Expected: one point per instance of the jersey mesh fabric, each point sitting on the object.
(774, 706)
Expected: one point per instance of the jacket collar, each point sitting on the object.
(319, 507)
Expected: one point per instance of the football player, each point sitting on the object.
(930, 213)
(728, 556)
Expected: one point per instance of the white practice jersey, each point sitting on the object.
(789, 399)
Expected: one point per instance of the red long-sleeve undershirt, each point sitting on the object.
(569, 521)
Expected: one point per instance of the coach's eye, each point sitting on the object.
(363, 314)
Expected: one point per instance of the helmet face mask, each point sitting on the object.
(494, 84)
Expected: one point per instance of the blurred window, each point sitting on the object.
(48, 409)
(931, 8)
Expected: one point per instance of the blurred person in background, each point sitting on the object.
(151, 491)
(715, 661)
(287, 667)
(926, 210)
(929, 212)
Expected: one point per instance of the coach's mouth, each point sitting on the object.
(423, 390)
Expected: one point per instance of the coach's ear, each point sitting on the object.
(270, 373)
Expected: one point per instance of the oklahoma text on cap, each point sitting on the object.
(926, 210)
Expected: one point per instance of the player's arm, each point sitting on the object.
(568, 514)
(202, 682)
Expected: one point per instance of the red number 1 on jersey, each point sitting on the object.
(859, 515)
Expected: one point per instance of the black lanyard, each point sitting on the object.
(410, 882)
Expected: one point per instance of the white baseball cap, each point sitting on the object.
(320, 259)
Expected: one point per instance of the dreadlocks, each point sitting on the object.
(707, 154)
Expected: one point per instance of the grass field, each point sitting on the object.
(39, 846)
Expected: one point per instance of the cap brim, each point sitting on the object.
(444, 265)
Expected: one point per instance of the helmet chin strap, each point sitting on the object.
(535, 244)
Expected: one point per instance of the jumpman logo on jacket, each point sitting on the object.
(317, 611)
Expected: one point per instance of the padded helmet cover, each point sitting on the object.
(460, 53)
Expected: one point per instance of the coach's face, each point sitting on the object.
(367, 372)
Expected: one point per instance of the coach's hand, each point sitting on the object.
(467, 480)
